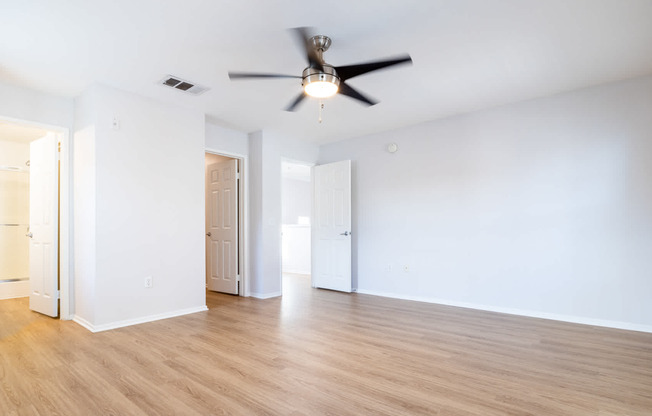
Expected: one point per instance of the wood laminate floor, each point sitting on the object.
(316, 352)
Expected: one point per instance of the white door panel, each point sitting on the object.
(331, 265)
(222, 227)
(44, 223)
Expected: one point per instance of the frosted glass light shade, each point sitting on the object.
(321, 89)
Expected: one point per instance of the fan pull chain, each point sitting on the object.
(321, 107)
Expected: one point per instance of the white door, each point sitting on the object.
(331, 235)
(44, 225)
(222, 227)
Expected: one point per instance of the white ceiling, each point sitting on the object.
(468, 54)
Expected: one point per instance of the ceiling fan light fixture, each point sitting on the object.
(320, 84)
(323, 80)
(321, 89)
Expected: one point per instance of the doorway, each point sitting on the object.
(225, 219)
(32, 169)
(296, 202)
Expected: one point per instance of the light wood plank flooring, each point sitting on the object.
(316, 352)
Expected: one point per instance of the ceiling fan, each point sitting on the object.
(323, 80)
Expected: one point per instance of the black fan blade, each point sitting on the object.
(350, 92)
(350, 71)
(248, 75)
(296, 102)
(301, 35)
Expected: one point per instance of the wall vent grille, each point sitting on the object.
(183, 85)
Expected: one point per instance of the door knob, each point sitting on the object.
(345, 233)
(208, 234)
(30, 235)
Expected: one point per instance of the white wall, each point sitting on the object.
(266, 150)
(295, 199)
(149, 212)
(256, 237)
(84, 206)
(28, 105)
(222, 139)
(542, 207)
(296, 202)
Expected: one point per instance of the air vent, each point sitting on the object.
(183, 85)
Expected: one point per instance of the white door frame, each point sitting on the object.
(243, 216)
(66, 303)
(223, 210)
(280, 245)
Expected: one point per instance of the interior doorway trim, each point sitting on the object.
(243, 239)
(66, 302)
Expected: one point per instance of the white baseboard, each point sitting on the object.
(521, 312)
(11, 290)
(83, 322)
(128, 322)
(265, 295)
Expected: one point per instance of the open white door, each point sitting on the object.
(222, 227)
(331, 235)
(44, 225)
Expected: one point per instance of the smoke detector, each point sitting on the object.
(183, 85)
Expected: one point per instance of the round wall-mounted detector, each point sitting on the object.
(392, 147)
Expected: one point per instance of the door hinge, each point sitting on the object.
(58, 294)
(237, 175)
(237, 277)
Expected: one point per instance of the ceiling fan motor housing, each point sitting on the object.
(314, 75)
